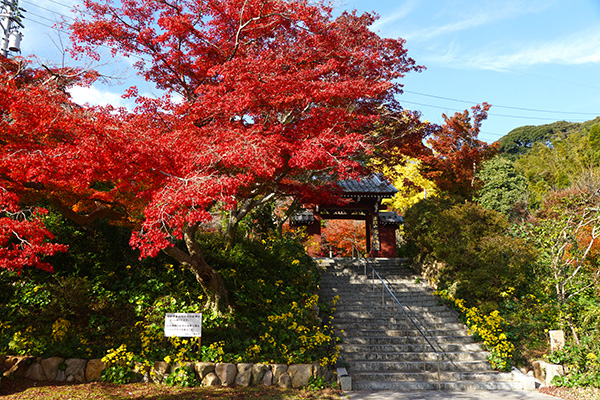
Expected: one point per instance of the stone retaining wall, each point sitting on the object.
(210, 374)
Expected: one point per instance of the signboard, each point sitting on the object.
(376, 242)
(183, 325)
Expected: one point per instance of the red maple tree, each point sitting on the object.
(49, 149)
(345, 237)
(456, 152)
(274, 93)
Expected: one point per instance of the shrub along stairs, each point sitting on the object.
(382, 349)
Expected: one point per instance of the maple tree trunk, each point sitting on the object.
(232, 227)
(210, 280)
(236, 215)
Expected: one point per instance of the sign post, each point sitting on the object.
(184, 325)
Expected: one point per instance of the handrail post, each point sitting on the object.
(372, 279)
(439, 379)
(424, 359)
(408, 320)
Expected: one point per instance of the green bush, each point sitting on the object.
(479, 261)
(581, 362)
(102, 297)
(184, 377)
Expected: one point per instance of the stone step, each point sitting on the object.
(431, 328)
(395, 340)
(365, 292)
(398, 317)
(402, 323)
(431, 333)
(414, 311)
(344, 281)
(432, 376)
(417, 306)
(418, 355)
(383, 350)
(406, 347)
(356, 274)
(344, 288)
(376, 306)
(395, 313)
(400, 386)
(417, 366)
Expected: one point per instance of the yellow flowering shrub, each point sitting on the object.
(24, 340)
(294, 337)
(119, 365)
(489, 329)
(59, 329)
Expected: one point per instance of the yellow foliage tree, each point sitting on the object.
(411, 185)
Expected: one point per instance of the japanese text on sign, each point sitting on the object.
(183, 325)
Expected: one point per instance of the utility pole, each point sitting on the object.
(10, 19)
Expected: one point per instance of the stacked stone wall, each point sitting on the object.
(78, 370)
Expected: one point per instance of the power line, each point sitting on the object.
(51, 1)
(47, 9)
(46, 25)
(501, 106)
(489, 114)
(68, 33)
(40, 16)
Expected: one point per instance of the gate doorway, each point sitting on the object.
(364, 204)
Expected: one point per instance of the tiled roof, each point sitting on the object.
(390, 217)
(302, 217)
(372, 185)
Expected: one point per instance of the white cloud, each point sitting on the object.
(464, 16)
(400, 13)
(576, 49)
(97, 97)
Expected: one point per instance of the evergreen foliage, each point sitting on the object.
(478, 259)
(537, 272)
(503, 189)
(571, 161)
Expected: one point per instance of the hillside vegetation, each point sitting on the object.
(521, 140)
(103, 302)
(522, 255)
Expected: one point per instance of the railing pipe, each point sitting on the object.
(409, 318)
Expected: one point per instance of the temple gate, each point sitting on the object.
(365, 197)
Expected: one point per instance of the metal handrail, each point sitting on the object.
(424, 337)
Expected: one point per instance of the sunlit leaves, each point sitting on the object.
(456, 152)
(274, 94)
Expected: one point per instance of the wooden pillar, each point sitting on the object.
(388, 241)
(368, 222)
(375, 236)
(313, 243)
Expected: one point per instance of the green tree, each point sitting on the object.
(469, 248)
(594, 137)
(521, 140)
(504, 189)
(567, 230)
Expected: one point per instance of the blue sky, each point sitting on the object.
(535, 61)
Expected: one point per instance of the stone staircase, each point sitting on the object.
(382, 350)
